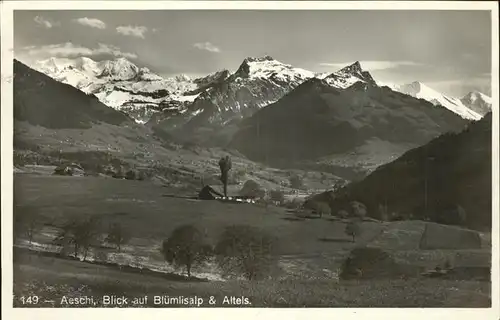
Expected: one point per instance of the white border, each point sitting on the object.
(8, 312)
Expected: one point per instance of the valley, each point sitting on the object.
(317, 154)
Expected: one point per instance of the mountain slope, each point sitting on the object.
(419, 90)
(257, 83)
(317, 120)
(477, 102)
(66, 108)
(431, 181)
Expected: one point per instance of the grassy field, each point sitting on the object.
(310, 250)
(54, 278)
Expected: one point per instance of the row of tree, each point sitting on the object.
(85, 234)
(240, 250)
(76, 236)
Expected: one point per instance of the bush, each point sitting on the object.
(245, 251)
(101, 255)
(358, 209)
(130, 175)
(296, 182)
(186, 247)
(116, 172)
(296, 203)
(369, 263)
(239, 175)
(277, 196)
(318, 207)
(252, 189)
(63, 170)
(343, 214)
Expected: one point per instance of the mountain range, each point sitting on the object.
(318, 122)
(122, 85)
(221, 96)
(275, 113)
(472, 106)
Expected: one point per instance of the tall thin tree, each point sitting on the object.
(225, 165)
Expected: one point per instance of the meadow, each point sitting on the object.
(310, 251)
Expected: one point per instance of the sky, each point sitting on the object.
(448, 50)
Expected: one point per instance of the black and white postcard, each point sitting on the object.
(339, 156)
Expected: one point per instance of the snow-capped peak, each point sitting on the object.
(478, 102)
(354, 68)
(52, 65)
(420, 90)
(268, 68)
(473, 96)
(321, 75)
(183, 77)
(120, 68)
(348, 76)
(258, 59)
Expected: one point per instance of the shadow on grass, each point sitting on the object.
(334, 219)
(180, 197)
(120, 214)
(112, 265)
(293, 219)
(336, 240)
(311, 217)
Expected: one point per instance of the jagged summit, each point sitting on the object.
(267, 67)
(182, 77)
(261, 62)
(349, 75)
(478, 102)
(475, 95)
(258, 59)
(353, 68)
(119, 68)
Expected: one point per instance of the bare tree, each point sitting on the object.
(81, 234)
(245, 251)
(225, 164)
(353, 229)
(185, 247)
(26, 223)
(87, 234)
(117, 235)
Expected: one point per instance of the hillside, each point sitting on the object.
(67, 107)
(317, 121)
(433, 181)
